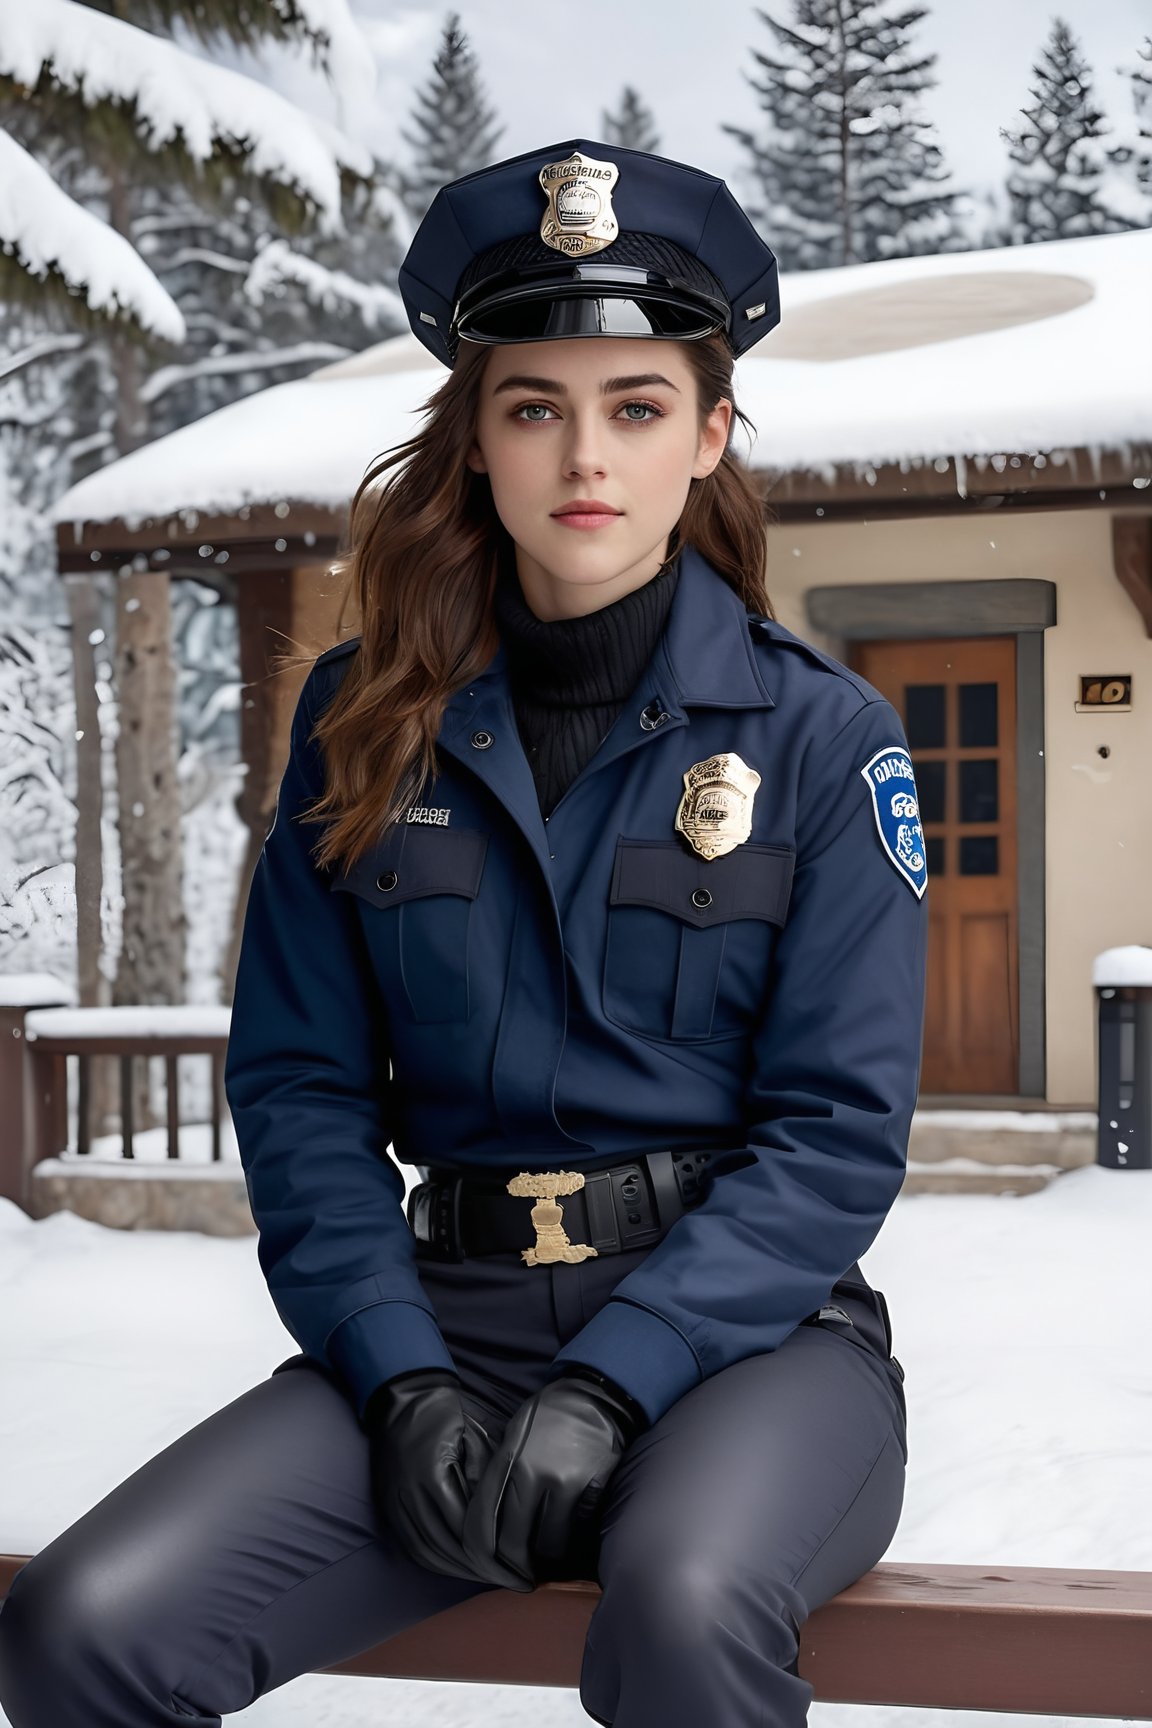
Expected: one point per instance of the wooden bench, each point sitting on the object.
(1044, 1640)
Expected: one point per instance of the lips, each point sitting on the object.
(586, 513)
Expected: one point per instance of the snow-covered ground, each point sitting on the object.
(1022, 1324)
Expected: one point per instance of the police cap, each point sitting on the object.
(587, 239)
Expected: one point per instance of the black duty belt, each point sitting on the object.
(572, 1214)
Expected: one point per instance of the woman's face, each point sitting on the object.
(608, 423)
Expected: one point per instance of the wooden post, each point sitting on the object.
(20, 993)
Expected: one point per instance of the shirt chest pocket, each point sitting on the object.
(416, 891)
(690, 940)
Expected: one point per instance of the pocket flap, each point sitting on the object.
(753, 881)
(413, 860)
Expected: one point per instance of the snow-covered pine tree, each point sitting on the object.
(137, 110)
(847, 171)
(1056, 190)
(633, 124)
(145, 109)
(262, 307)
(1136, 159)
(453, 130)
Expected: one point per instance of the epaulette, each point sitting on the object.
(766, 630)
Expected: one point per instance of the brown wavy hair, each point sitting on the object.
(425, 545)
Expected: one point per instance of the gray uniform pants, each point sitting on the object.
(248, 1551)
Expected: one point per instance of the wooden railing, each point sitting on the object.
(35, 1044)
(1047, 1641)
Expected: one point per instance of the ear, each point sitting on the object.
(475, 459)
(713, 439)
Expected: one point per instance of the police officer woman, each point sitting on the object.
(614, 925)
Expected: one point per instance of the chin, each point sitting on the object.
(588, 563)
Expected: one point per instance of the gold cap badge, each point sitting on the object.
(715, 810)
(579, 218)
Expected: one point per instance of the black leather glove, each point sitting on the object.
(532, 1517)
(427, 1454)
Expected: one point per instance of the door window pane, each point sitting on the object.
(924, 720)
(978, 714)
(979, 855)
(930, 786)
(935, 848)
(980, 790)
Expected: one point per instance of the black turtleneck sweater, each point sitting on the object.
(570, 677)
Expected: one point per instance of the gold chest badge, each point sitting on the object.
(579, 218)
(715, 809)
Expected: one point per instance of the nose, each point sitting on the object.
(585, 452)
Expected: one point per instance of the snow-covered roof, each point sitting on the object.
(968, 355)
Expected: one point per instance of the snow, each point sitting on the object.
(351, 65)
(22, 989)
(1081, 376)
(1130, 965)
(1020, 1322)
(48, 231)
(178, 96)
(181, 1020)
(277, 263)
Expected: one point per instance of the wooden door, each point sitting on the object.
(957, 699)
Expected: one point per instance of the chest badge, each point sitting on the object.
(715, 810)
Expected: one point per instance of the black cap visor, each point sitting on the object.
(551, 310)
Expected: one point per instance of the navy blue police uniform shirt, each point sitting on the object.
(490, 987)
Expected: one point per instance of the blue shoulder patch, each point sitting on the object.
(897, 811)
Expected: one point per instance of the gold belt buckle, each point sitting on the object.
(551, 1242)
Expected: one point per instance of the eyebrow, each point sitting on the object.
(521, 381)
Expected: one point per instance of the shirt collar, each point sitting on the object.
(707, 642)
(706, 646)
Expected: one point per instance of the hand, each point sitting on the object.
(531, 1517)
(427, 1454)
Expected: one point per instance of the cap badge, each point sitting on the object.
(715, 810)
(579, 218)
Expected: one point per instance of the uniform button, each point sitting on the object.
(482, 740)
(701, 897)
(653, 716)
(388, 880)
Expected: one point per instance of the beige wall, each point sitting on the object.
(1099, 811)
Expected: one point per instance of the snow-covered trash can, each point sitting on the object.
(1123, 981)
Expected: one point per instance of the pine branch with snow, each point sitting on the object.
(1057, 188)
(1135, 159)
(847, 169)
(175, 103)
(37, 835)
(53, 245)
(278, 266)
